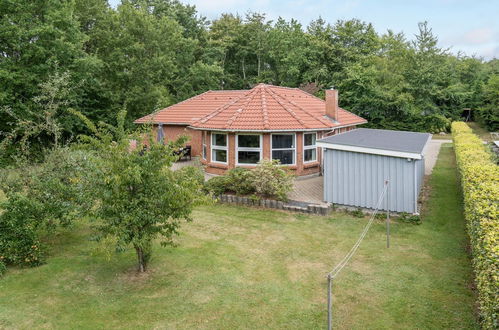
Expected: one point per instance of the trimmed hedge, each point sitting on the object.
(480, 185)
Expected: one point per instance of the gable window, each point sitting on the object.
(249, 149)
(219, 148)
(309, 147)
(204, 144)
(283, 148)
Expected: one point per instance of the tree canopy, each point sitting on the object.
(147, 54)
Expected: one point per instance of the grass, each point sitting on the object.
(477, 129)
(480, 131)
(446, 136)
(239, 267)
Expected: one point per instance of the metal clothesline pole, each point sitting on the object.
(329, 302)
(387, 216)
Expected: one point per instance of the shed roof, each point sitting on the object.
(379, 141)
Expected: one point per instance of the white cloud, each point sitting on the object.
(478, 36)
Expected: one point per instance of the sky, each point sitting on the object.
(469, 26)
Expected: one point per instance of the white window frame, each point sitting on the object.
(216, 147)
(294, 147)
(248, 149)
(204, 151)
(309, 148)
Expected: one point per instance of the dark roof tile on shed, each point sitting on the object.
(381, 139)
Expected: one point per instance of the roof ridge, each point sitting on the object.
(320, 118)
(237, 112)
(219, 110)
(264, 109)
(293, 114)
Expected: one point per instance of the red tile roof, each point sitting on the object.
(264, 107)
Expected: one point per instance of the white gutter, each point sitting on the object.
(373, 151)
(274, 130)
(261, 130)
(161, 123)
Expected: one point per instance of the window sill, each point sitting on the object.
(311, 164)
(218, 165)
(247, 165)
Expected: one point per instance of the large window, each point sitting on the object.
(309, 147)
(204, 144)
(283, 148)
(249, 149)
(219, 148)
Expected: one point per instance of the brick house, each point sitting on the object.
(239, 127)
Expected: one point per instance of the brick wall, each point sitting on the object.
(173, 132)
(298, 169)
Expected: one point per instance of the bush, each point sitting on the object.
(410, 218)
(191, 172)
(3, 268)
(216, 185)
(19, 222)
(416, 123)
(239, 181)
(39, 198)
(268, 179)
(480, 185)
(271, 180)
(358, 213)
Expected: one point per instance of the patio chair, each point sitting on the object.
(186, 152)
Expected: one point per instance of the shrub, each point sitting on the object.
(216, 185)
(480, 185)
(40, 197)
(239, 181)
(410, 218)
(191, 172)
(19, 222)
(429, 123)
(357, 213)
(3, 268)
(271, 180)
(268, 179)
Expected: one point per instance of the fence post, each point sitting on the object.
(329, 302)
(387, 216)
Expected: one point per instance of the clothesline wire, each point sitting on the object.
(339, 267)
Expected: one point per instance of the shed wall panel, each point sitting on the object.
(357, 179)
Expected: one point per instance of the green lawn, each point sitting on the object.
(446, 136)
(480, 131)
(239, 267)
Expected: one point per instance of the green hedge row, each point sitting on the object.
(480, 184)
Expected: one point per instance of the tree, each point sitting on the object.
(38, 38)
(489, 113)
(138, 196)
(45, 123)
(40, 198)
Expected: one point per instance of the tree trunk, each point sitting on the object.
(244, 71)
(259, 61)
(140, 259)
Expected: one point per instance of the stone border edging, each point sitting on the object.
(274, 204)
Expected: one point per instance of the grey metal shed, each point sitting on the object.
(357, 163)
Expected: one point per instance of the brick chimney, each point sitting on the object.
(332, 103)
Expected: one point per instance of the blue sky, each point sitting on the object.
(463, 25)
